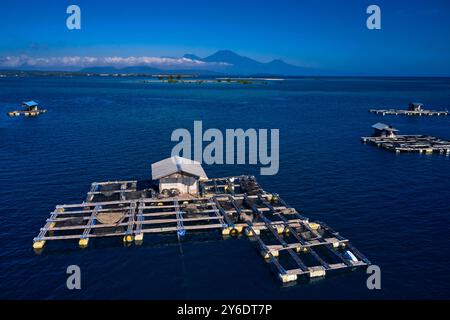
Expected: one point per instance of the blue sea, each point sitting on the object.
(394, 208)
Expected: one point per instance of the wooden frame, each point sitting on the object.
(224, 206)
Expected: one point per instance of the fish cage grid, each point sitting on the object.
(402, 112)
(231, 206)
(411, 143)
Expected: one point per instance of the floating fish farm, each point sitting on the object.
(414, 109)
(31, 109)
(295, 246)
(386, 137)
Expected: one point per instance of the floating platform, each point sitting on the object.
(411, 143)
(295, 246)
(31, 110)
(398, 112)
(414, 109)
(386, 137)
(26, 113)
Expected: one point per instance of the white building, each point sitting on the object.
(178, 173)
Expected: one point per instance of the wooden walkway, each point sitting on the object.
(411, 143)
(397, 112)
(295, 246)
(26, 113)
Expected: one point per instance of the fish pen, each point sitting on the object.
(31, 109)
(386, 137)
(295, 246)
(414, 109)
(398, 112)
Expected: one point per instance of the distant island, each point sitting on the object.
(221, 63)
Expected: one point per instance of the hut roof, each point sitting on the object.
(382, 126)
(30, 104)
(177, 164)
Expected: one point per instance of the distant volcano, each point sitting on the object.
(224, 62)
(233, 63)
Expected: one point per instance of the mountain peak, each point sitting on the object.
(192, 56)
(276, 62)
(223, 56)
(227, 52)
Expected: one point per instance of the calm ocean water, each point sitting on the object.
(394, 208)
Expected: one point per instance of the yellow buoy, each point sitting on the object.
(83, 242)
(314, 225)
(252, 232)
(128, 238)
(266, 255)
(38, 245)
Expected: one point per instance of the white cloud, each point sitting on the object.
(116, 61)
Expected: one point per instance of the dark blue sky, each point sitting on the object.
(325, 34)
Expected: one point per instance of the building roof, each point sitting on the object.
(177, 164)
(382, 126)
(416, 104)
(30, 103)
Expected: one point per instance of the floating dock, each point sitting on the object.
(31, 110)
(414, 109)
(295, 246)
(386, 137)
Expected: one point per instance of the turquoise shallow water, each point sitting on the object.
(394, 208)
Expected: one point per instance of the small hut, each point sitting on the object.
(384, 130)
(30, 105)
(415, 106)
(178, 173)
